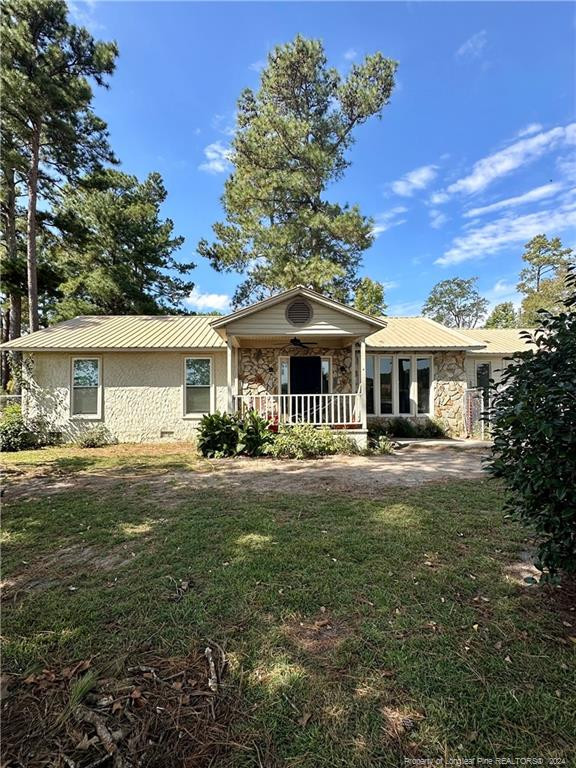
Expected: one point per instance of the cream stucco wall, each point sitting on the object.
(143, 397)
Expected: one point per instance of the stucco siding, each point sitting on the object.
(142, 396)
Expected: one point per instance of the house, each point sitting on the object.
(294, 357)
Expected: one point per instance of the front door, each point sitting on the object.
(305, 379)
(305, 375)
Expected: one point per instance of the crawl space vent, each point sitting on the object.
(299, 312)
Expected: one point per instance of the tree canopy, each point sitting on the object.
(456, 303)
(117, 253)
(290, 144)
(369, 297)
(502, 316)
(543, 279)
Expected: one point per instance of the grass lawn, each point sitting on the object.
(357, 632)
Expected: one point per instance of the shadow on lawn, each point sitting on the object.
(355, 630)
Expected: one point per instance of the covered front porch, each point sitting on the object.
(298, 358)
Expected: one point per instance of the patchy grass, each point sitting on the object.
(130, 456)
(358, 632)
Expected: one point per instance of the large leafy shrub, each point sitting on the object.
(96, 437)
(15, 435)
(304, 441)
(534, 432)
(218, 435)
(254, 434)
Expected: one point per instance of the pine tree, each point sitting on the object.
(502, 316)
(290, 144)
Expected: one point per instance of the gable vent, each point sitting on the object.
(299, 312)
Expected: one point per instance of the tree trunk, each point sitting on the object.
(5, 335)
(16, 332)
(31, 260)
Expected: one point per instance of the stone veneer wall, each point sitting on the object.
(258, 368)
(450, 375)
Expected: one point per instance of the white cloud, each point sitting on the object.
(257, 66)
(503, 162)
(217, 158)
(388, 219)
(205, 301)
(529, 129)
(82, 13)
(389, 285)
(473, 47)
(490, 238)
(350, 54)
(437, 219)
(405, 308)
(419, 178)
(500, 292)
(567, 166)
(539, 193)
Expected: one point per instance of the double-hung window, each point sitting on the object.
(197, 385)
(86, 387)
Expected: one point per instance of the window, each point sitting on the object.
(86, 386)
(326, 375)
(198, 394)
(404, 382)
(386, 385)
(423, 381)
(370, 384)
(483, 381)
(284, 376)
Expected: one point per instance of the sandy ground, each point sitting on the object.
(357, 476)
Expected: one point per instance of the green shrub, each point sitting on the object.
(401, 427)
(254, 434)
(534, 432)
(430, 428)
(304, 441)
(218, 435)
(14, 434)
(96, 437)
(382, 446)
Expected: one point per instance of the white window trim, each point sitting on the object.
(413, 386)
(287, 358)
(198, 414)
(331, 376)
(86, 416)
(283, 359)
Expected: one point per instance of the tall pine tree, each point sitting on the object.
(290, 144)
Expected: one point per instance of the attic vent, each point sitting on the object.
(299, 312)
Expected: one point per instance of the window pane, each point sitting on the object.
(325, 375)
(284, 377)
(197, 372)
(423, 381)
(483, 381)
(86, 373)
(370, 384)
(85, 401)
(385, 385)
(197, 399)
(404, 385)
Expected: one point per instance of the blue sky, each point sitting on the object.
(474, 155)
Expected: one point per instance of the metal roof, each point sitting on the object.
(419, 333)
(130, 332)
(500, 341)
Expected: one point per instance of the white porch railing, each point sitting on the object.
(320, 410)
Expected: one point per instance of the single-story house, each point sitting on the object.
(294, 357)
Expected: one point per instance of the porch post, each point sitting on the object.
(354, 385)
(363, 383)
(229, 360)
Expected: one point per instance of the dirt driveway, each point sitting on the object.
(358, 476)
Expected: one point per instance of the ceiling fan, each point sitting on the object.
(296, 342)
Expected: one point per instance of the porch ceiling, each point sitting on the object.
(278, 342)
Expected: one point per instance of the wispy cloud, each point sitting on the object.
(506, 160)
(217, 158)
(502, 291)
(473, 47)
(405, 308)
(534, 195)
(388, 219)
(257, 66)
(206, 301)
(83, 13)
(482, 241)
(437, 219)
(417, 179)
(350, 54)
(529, 129)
